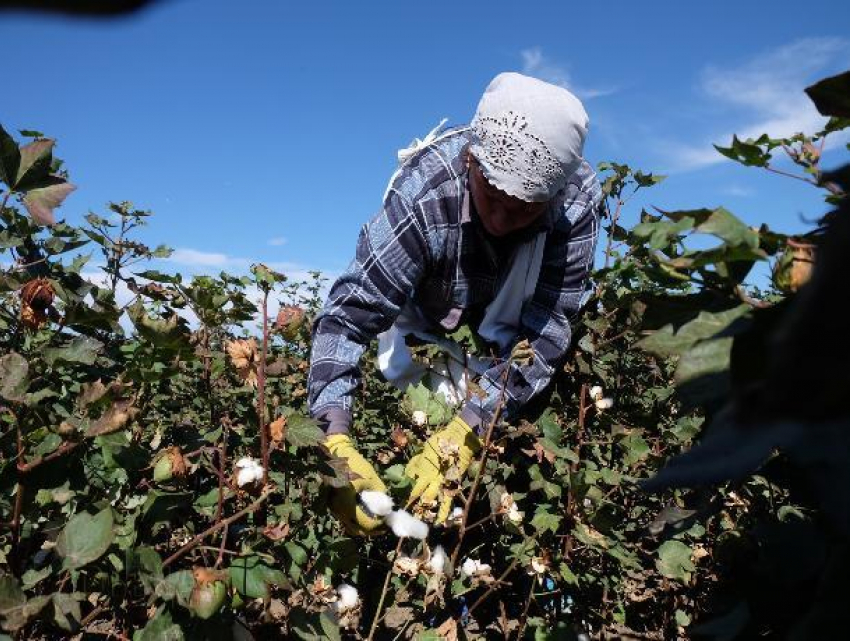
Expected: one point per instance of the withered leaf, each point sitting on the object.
(117, 416)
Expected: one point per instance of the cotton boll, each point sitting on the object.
(604, 404)
(514, 515)
(406, 566)
(376, 503)
(437, 562)
(348, 597)
(474, 567)
(248, 471)
(596, 392)
(419, 418)
(405, 524)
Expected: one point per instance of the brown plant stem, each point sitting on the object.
(482, 460)
(214, 528)
(377, 617)
(261, 390)
(67, 446)
(492, 587)
(583, 408)
(222, 465)
(19, 497)
(524, 618)
(614, 218)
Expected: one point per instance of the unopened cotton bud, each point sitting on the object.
(604, 404)
(419, 418)
(596, 392)
(404, 524)
(376, 503)
(348, 597)
(437, 562)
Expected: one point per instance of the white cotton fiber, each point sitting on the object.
(248, 471)
(437, 562)
(348, 597)
(376, 503)
(405, 524)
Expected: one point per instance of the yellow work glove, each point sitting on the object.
(343, 500)
(445, 457)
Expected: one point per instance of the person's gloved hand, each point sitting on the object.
(344, 500)
(445, 457)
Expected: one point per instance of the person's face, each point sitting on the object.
(500, 213)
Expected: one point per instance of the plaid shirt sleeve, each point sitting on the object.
(391, 258)
(562, 288)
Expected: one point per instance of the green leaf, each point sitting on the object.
(832, 95)
(747, 152)
(703, 371)
(544, 520)
(177, 585)
(567, 574)
(170, 332)
(674, 561)
(160, 628)
(252, 578)
(14, 377)
(160, 277)
(729, 228)
(36, 158)
(15, 608)
(419, 397)
(10, 158)
(302, 431)
(81, 349)
(666, 342)
(538, 482)
(548, 424)
(42, 199)
(85, 538)
(636, 448)
(66, 610)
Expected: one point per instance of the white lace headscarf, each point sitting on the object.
(528, 136)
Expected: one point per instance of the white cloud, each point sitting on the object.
(196, 258)
(738, 191)
(277, 241)
(535, 64)
(766, 96)
(191, 262)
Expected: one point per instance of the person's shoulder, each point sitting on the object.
(436, 170)
(582, 195)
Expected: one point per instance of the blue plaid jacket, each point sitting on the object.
(419, 247)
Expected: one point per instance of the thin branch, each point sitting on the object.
(493, 586)
(524, 618)
(377, 617)
(261, 390)
(482, 461)
(211, 530)
(788, 174)
(614, 218)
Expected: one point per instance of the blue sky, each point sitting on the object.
(266, 131)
